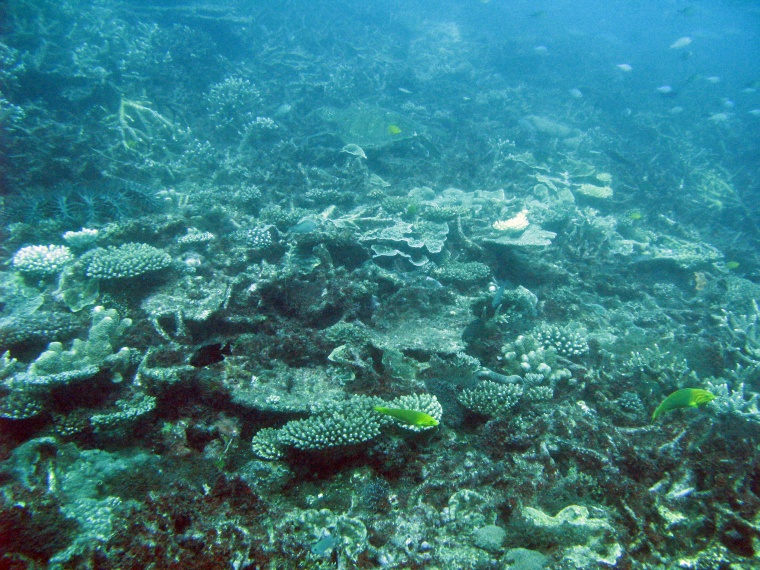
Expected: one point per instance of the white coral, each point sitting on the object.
(735, 402)
(41, 259)
(515, 225)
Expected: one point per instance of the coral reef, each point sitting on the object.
(444, 290)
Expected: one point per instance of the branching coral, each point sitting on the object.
(128, 260)
(339, 425)
(743, 333)
(491, 399)
(41, 260)
(137, 123)
(738, 402)
(26, 393)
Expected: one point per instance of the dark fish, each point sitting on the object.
(617, 157)
(210, 354)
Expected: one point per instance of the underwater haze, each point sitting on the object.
(395, 284)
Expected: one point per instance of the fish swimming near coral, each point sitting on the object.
(410, 417)
(210, 354)
(325, 544)
(684, 398)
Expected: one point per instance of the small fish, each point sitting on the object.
(210, 354)
(432, 283)
(283, 109)
(394, 130)
(684, 398)
(305, 226)
(732, 265)
(576, 93)
(713, 79)
(624, 67)
(681, 43)
(635, 215)
(410, 417)
(755, 112)
(325, 544)
(719, 117)
(496, 301)
(665, 89)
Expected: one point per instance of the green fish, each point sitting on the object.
(684, 398)
(410, 417)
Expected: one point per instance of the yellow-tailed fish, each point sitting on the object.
(411, 417)
(684, 398)
(394, 130)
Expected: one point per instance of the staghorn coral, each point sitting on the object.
(743, 333)
(739, 402)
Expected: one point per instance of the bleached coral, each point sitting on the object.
(594, 191)
(743, 332)
(515, 225)
(41, 259)
(738, 402)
